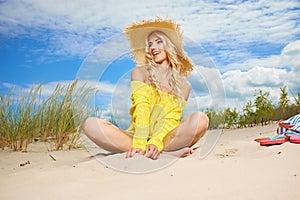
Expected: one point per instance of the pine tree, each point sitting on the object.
(283, 99)
(263, 106)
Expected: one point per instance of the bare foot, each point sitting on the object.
(184, 152)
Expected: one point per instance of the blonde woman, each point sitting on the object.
(159, 94)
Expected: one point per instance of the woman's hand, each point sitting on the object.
(134, 151)
(152, 152)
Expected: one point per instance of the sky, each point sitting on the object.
(237, 46)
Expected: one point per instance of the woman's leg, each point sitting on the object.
(191, 129)
(106, 135)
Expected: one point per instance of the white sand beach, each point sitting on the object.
(237, 168)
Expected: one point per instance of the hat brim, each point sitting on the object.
(137, 34)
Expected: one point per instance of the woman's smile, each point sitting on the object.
(157, 51)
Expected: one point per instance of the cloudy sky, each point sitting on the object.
(237, 46)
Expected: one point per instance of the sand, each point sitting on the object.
(237, 168)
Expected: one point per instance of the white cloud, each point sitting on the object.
(47, 89)
(265, 77)
(197, 103)
(269, 74)
(272, 61)
(208, 82)
(77, 25)
(243, 85)
(291, 56)
(8, 85)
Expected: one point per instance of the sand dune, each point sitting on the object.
(237, 168)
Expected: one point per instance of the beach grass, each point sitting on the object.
(29, 116)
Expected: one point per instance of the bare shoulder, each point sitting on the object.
(185, 88)
(139, 74)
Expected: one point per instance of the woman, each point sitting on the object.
(159, 94)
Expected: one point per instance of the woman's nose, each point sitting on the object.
(154, 46)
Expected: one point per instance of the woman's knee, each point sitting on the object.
(87, 124)
(204, 120)
(90, 125)
(201, 122)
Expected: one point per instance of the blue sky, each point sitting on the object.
(244, 45)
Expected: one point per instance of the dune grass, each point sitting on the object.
(28, 116)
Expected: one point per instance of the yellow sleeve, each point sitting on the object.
(140, 111)
(166, 125)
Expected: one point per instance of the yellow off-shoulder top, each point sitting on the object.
(154, 115)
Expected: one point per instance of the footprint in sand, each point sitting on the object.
(228, 153)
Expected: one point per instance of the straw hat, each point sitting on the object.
(138, 32)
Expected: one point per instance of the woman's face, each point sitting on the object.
(156, 48)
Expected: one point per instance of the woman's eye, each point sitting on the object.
(159, 41)
(149, 44)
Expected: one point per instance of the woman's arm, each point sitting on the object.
(140, 112)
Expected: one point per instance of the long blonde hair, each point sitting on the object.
(175, 66)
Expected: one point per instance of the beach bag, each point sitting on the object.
(291, 123)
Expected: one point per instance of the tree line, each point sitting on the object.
(260, 111)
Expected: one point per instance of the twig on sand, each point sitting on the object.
(52, 157)
(25, 163)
